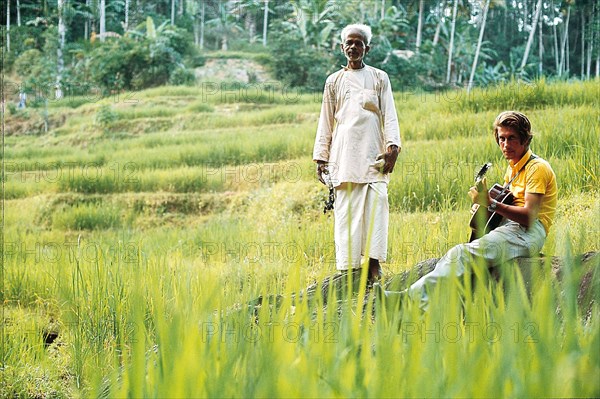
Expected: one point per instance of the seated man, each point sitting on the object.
(527, 220)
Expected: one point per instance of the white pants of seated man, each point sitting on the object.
(361, 216)
(505, 243)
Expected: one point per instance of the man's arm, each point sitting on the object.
(391, 130)
(389, 116)
(324, 131)
(524, 215)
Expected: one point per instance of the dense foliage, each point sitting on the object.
(522, 39)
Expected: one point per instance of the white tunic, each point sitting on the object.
(358, 122)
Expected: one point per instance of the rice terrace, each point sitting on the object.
(167, 239)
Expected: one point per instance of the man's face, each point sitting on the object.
(510, 144)
(354, 47)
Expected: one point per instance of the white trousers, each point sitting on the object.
(503, 244)
(361, 216)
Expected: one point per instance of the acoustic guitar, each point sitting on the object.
(483, 221)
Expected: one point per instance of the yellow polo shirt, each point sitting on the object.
(538, 178)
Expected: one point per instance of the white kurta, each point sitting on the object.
(358, 122)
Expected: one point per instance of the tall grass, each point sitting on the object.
(162, 337)
(144, 251)
(518, 95)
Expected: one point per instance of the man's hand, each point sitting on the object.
(481, 197)
(389, 159)
(321, 170)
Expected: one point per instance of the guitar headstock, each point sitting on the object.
(479, 176)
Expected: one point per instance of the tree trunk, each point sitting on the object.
(451, 47)
(126, 27)
(481, 31)
(59, 52)
(561, 67)
(436, 35)
(419, 26)
(538, 10)
(438, 28)
(250, 24)
(102, 19)
(8, 26)
(18, 12)
(593, 34)
(202, 26)
(582, 45)
(588, 65)
(181, 8)
(86, 24)
(172, 12)
(265, 23)
(382, 10)
(568, 55)
(196, 31)
(557, 64)
(541, 51)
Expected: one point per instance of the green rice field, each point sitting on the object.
(138, 227)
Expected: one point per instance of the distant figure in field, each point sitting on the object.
(527, 221)
(22, 100)
(356, 147)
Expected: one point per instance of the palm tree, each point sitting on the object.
(172, 12)
(561, 65)
(251, 8)
(61, 46)
(451, 47)
(18, 13)
(102, 19)
(224, 25)
(265, 23)
(313, 21)
(8, 26)
(481, 31)
(126, 25)
(538, 9)
(196, 10)
(439, 12)
(419, 26)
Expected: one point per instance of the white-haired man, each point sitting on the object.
(357, 128)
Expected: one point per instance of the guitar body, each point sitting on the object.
(484, 221)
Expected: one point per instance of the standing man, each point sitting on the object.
(528, 219)
(356, 147)
(22, 99)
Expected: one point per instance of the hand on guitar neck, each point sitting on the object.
(482, 219)
(479, 193)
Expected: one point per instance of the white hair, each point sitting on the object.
(364, 30)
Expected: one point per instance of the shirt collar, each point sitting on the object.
(345, 68)
(516, 167)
